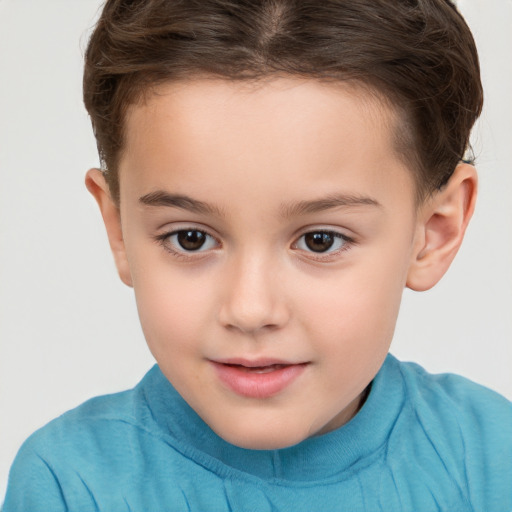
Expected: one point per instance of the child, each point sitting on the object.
(274, 174)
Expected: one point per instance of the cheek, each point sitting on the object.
(358, 317)
(355, 310)
(173, 309)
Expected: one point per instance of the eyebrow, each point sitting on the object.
(327, 203)
(161, 198)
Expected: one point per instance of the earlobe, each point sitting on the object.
(442, 223)
(98, 187)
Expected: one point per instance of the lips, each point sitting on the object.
(259, 369)
(257, 379)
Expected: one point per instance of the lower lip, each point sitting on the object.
(254, 384)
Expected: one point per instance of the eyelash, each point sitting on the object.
(163, 240)
(347, 243)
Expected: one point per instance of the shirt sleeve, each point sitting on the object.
(484, 421)
(33, 485)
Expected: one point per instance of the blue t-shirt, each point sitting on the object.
(420, 443)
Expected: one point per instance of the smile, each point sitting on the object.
(258, 379)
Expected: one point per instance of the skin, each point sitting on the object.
(271, 162)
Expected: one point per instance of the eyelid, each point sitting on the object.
(349, 242)
(163, 238)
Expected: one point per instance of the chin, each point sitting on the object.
(264, 439)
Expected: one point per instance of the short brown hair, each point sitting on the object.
(417, 54)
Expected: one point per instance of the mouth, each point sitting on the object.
(258, 369)
(257, 379)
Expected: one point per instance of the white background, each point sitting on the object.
(69, 328)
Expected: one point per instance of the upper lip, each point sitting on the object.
(255, 363)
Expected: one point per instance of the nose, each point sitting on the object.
(253, 298)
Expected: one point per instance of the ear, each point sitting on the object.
(442, 222)
(98, 187)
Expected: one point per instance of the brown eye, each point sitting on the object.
(187, 241)
(319, 241)
(191, 240)
(323, 242)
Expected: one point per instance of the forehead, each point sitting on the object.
(270, 102)
(283, 129)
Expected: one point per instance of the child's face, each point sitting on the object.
(268, 232)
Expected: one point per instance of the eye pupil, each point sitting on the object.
(191, 240)
(319, 242)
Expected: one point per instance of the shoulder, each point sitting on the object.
(100, 424)
(467, 427)
(454, 396)
(88, 423)
(452, 409)
(78, 448)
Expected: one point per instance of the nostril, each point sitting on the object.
(247, 328)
